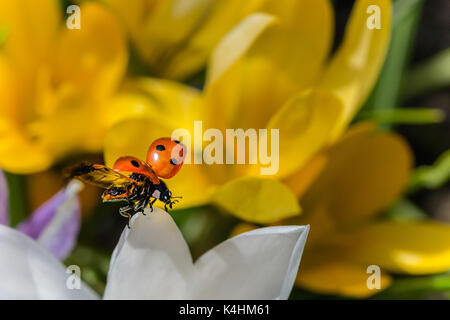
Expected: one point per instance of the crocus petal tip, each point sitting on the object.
(74, 186)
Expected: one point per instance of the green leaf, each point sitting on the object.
(404, 116)
(386, 93)
(431, 177)
(430, 75)
(405, 210)
(416, 287)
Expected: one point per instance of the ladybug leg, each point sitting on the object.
(123, 211)
(152, 203)
(129, 218)
(144, 205)
(139, 206)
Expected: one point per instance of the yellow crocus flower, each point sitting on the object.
(55, 82)
(270, 71)
(175, 37)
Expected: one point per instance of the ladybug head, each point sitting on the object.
(166, 157)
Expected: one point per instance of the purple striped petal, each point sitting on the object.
(56, 223)
(4, 198)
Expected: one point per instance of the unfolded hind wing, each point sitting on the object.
(98, 175)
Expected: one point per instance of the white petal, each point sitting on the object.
(260, 264)
(151, 261)
(28, 271)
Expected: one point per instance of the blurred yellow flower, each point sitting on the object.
(175, 37)
(356, 179)
(270, 71)
(55, 83)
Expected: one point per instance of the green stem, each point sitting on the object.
(428, 76)
(386, 93)
(404, 116)
(18, 206)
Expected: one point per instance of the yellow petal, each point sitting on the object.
(222, 89)
(94, 57)
(402, 247)
(305, 124)
(31, 29)
(192, 53)
(169, 104)
(19, 155)
(172, 104)
(9, 91)
(166, 105)
(366, 172)
(324, 225)
(128, 105)
(241, 228)
(193, 185)
(300, 181)
(332, 275)
(159, 28)
(257, 200)
(175, 37)
(132, 138)
(73, 126)
(354, 68)
(236, 44)
(284, 59)
(176, 103)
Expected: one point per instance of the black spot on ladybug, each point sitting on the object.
(160, 147)
(177, 141)
(135, 163)
(173, 161)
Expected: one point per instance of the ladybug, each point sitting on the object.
(134, 181)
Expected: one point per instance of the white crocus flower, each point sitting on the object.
(152, 261)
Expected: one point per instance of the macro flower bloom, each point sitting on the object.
(55, 83)
(271, 71)
(152, 261)
(55, 224)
